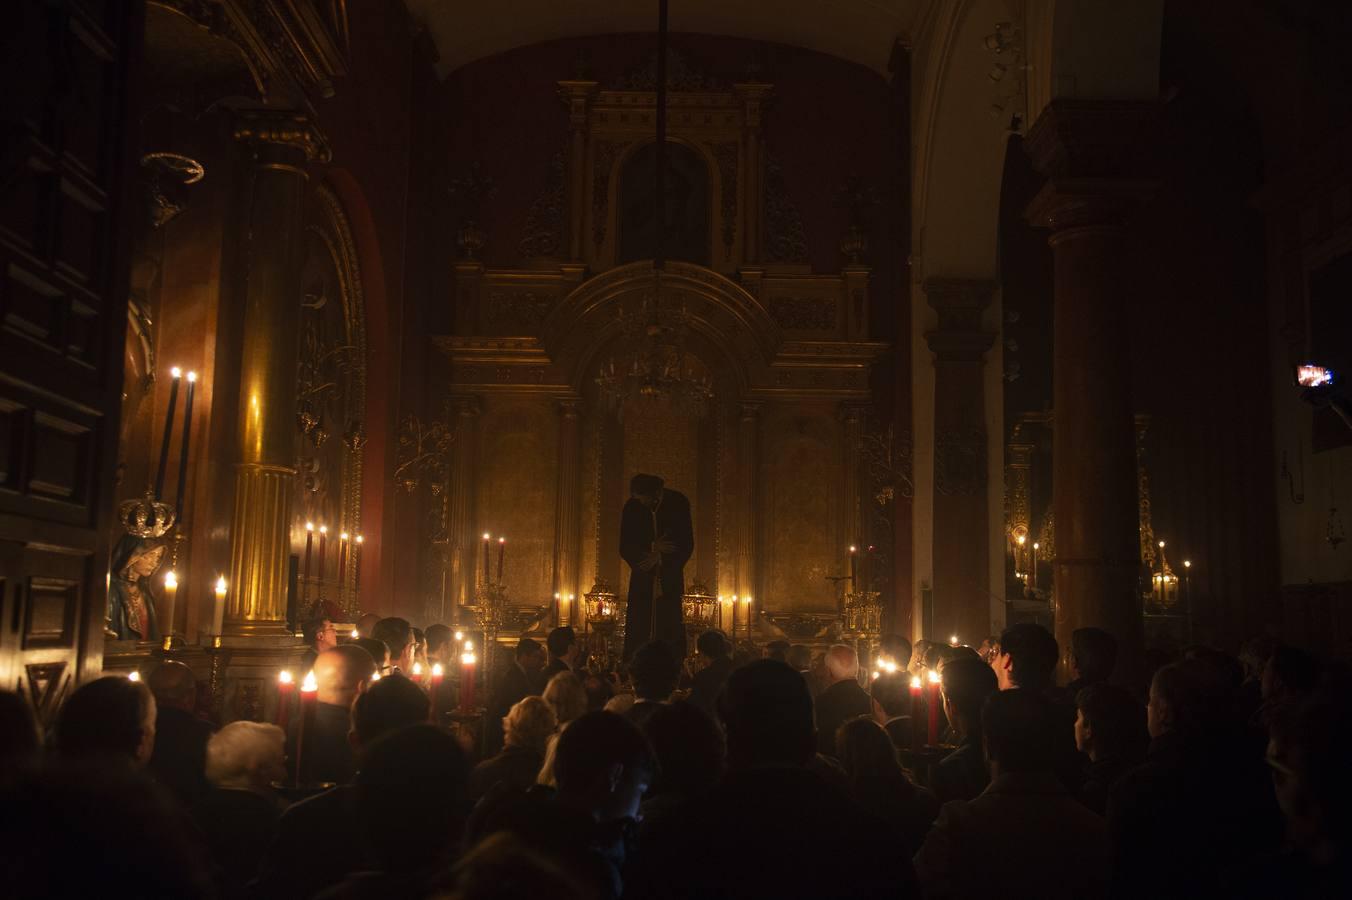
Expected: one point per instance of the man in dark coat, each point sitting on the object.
(715, 652)
(656, 540)
(517, 681)
(180, 757)
(843, 700)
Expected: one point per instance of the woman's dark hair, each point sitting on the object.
(103, 718)
(967, 682)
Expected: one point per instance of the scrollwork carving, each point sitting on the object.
(804, 313)
(603, 162)
(785, 237)
(544, 221)
(517, 313)
(726, 153)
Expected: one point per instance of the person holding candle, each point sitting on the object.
(340, 674)
(843, 698)
(965, 682)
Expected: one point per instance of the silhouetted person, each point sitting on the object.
(18, 731)
(880, 786)
(84, 828)
(715, 661)
(773, 828)
(397, 634)
(799, 658)
(603, 766)
(366, 625)
(378, 651)
(1093, 656)
(179, 759)
(1110, 730)
(777, 650)
(111, 719)
(1024, 835)
(440, 646)
(411, 838)
(843, 698)
(896, 649)
(238, 815)
(563, 652)
(518, 680)
(966, 683)
(657, 539)
(1026, 658)
(690, 755)
(327, 756)
(527, 729)
(1200, 805)
(890, 694)
(655, 671)
(327, 826)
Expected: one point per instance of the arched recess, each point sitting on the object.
(719, 312)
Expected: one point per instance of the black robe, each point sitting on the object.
(636, 542)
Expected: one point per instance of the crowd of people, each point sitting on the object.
(744, 772)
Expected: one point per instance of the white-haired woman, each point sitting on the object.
(238, 816)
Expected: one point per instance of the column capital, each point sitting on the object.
(960, 303)
(577, 96)
(753, 95)
(292, 130)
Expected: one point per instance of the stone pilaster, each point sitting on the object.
(260, 542)
(753, 96)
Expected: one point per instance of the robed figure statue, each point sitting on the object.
(131, 593)
(656, 540)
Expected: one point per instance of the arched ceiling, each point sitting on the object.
(861, 31)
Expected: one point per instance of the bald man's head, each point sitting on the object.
(340, 673)
(173, 685)
(366, 624)
(842, 663)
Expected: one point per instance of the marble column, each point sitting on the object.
(962, 603)
(279, 145)
(462, 537)
(577, 96)
(568, 506)
(1094, 155)
(748, 464)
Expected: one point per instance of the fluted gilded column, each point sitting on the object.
(460, 533)
(1096, 156)
(748, 464)
(280, 144)
(577, 95)
(567, 505)
(961, 553)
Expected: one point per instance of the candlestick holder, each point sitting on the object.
(490, 611)
(216, 684)
(604, 623)
(863, 614)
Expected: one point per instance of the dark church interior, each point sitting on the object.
(676, 448)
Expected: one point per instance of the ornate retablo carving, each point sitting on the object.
(804, 313)
(603, 162)
(544, 221)
(785, 237)
(960, 462)
(682, 75)
(726, 153)
(516, 312)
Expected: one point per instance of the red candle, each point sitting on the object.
(934, 701)
(434, 691)
(309, 546)
(286, 687)
(747, 601)
(309, 702)
(467, 664)
(915, 712)
(487, 537)
(417, 673)
(502, 551)
(323, 541)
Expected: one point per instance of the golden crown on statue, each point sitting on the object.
(147, 517)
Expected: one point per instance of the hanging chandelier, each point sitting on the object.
(653, 365)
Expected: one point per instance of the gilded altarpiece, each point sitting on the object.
(774, 469)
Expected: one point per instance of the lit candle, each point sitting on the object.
(558, 608)
(467, 664)
(309, 701)
(167, 619)
(355, 634)
(286, 687)
(417, 673)
(1036, 547)
(502, 552)
(309, 546)
(434, 690)
(487, 537)
(218, 614)
(934, 702)
(915, 712)
(323, 542)
(176, 374)
(133, 675)
(569, 617)
(721, 601)
(734, 618)
(747, 601)
(356, 562)
(342, 557)
(179, 503)
(854, 567)
(953, 640)
(459, 636)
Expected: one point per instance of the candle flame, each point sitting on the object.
(417, 668)
(171, 579)
(355, 634)
(467, 659)
(437, 670)
(284, 677)
(360, 539)
(469, 646)
(309, 526)
(876, 673)
(558, 596)
(133, 675)
(309, 685)
(220, 586)
(375, 676)
(953, 639)
(933, 677)
(502, 540)
(192, 376)
(915, 682)
(1161, 545)
(176, 372)
(487, 536)
(887, 666)
(459, 636)
(1187, 564)
(854, 549)
(342, 536)
(1021, 539)
(323, 529)
(1036, 545)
